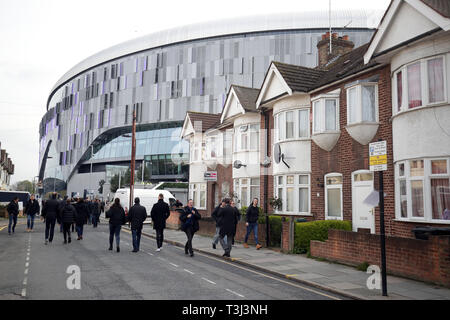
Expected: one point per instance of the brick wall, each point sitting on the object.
(424, 260)
(208, 228)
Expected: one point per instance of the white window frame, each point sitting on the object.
(319, 102)
(210, 146)
(359, 103)
(197, 187)
(280, 125)
(427, 201)
(424, 85)
(238, 184)
(238, 135)
(296, 186)
(333, 186)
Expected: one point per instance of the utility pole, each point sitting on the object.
(133, 156)
(90, 175)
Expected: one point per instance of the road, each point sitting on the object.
(29, 269)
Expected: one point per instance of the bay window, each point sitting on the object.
(362, 103)
(247, 138)
(293, 124)
(423, 189)
(293, 190)
(246, 190)
(423, 83)
(197, 192)
(333, 196)
(326, 115)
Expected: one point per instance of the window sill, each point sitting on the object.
(363, 132)
(435, 105)
(294, 139)
(423, 221)
(326, 140)
(333, 218)
(294, 214)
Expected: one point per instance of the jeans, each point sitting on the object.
(13, 222)
(225, 242)
(49, 229)
(136, 235)
(252, 226)
(79, 228)
(30, 221)
(66, 229)
(159, 237)
(114, 231)
(94, 220)
(216, 236)
(188, 246)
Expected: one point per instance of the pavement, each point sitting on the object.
(332, 277)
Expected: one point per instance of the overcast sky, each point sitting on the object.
(42, 39)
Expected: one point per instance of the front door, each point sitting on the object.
(363, 215)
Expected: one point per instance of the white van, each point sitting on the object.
(147, 197)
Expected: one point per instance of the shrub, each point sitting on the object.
(363, 266)
(315, 230)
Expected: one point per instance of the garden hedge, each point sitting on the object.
(315, 230)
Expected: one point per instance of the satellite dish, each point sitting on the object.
(238, 164)
(266, 162)
(277, 155)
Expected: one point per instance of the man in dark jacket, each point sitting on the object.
(227, 216)
(116, 216)
(252, 223)
(81, 218)
(50, 212)
(67, 216)
(216, 218)
(95, 210)
(13, 212)
(190, 225)
(238, 218)
(31, 209)
(159, 214)
(137, 216)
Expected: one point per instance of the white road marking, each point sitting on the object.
(26, 271)
(28, 258)
(27, 265)
(173, 264)
(150, 253)
(189, 271)
(24, 292)
(25, 281)
(240, 295)
(209, 281)
(161, 259)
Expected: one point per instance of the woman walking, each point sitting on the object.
(252, 223)
(116, 216)
(31, 209)
(190, 225)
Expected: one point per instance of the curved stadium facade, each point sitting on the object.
(164, 75)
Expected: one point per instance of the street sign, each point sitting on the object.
(210, 176)
(378, 156)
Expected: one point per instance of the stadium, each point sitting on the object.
(83, 135)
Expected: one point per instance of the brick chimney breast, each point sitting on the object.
(339, 46)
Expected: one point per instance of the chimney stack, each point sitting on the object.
(339, 46)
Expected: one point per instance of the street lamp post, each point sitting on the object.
(133, 156)
(90, 176)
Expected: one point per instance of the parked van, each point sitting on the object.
(148, 197)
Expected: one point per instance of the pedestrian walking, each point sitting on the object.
(136, 217)
(116, 216)
(62, 203)
(190, 225)
(238, 218)
(67, 216)
(217, 220)
(49, 213)
(31, 209)
(13, 212)
(81, 217)
(227, 216)
(252, 223)
(95, 210)
(159, 214)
